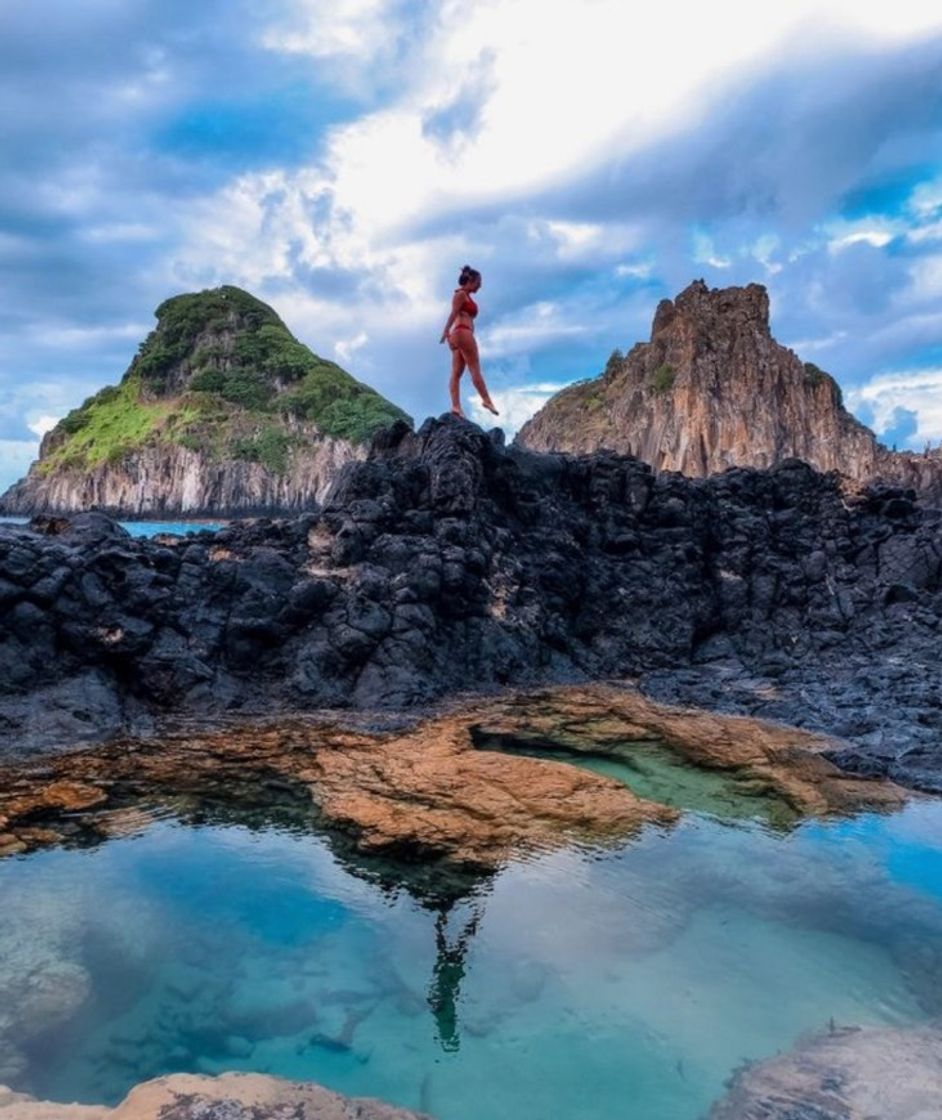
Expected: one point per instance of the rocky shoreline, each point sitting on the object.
(231, 1096)
(447, 563)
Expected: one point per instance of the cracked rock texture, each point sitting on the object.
(446, 563)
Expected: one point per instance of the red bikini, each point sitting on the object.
(469, 308)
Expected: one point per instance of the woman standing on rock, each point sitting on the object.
(459, 333)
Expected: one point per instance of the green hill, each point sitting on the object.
(221, 374)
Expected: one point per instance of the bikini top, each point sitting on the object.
(470, 307)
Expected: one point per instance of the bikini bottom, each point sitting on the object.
(458, 327)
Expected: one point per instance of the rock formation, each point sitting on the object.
(446, 562)
(221, 412)
(852, 1073)
(231, 1096)
(713, 389)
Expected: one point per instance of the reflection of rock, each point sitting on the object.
(232, 1096)
(427, 791)
(849, 1074)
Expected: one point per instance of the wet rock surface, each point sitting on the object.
(429, 792)
(849, 1074)
(231, 1096)
(447, 563)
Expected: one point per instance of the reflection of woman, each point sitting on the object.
(459, 332)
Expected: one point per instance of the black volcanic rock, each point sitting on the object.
(447, 562)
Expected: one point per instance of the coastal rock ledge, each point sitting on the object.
(447, 563)
(850, 1073)
(231, 1096)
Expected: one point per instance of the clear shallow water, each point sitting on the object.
(145, 528)
(656, 772)
(575, 984)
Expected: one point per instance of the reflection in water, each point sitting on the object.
(653, 770)
(238, 937)
(445, 989)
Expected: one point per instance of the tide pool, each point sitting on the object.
(575, 983)
(146, 528)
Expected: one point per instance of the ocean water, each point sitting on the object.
(574, 983)
(146, 528)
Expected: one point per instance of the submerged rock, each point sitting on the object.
(850, 1073)
(231, 1096)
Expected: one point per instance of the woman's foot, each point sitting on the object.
(457, 412)
(489, 405)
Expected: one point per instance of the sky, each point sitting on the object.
(342, 159)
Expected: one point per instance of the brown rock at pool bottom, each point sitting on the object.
(231, 1096)
(427, 792)
(849, 1074)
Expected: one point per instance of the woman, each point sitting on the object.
(459, 333)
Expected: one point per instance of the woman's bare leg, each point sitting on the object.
(457, 369)
(470, 353)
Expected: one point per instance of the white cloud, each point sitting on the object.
(926, 277)
(704, 252)
(43, 424)
(918, 391)
(515, 406)
(640, 270)
(347, 347)
(535, 326)
(15, 457)
(926, 199)
(326, 28)
(874, 237)
(383, 170)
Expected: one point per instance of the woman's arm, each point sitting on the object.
(457, 301)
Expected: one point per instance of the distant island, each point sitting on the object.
(222, 412)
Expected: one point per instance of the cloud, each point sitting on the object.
(342, 160)
(903, 407)
(515, 405)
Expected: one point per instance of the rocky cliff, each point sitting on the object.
(222, 411)
(446, 563)
(712, 389)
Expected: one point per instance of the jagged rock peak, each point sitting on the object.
(715, 309)
(712, 389)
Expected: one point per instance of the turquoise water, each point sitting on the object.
(660, 774)
(576, 984)
(146, 528)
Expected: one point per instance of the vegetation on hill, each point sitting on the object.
(220, 372)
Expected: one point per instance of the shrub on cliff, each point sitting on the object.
(662, 380)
